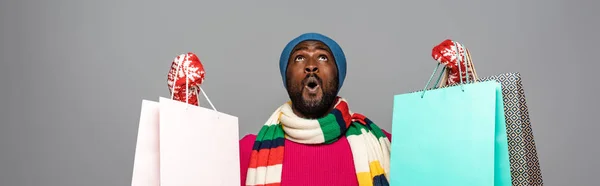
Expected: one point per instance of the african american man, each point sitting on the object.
(314, 139)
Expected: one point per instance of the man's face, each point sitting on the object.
(312, 81)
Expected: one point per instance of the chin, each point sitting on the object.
(312, 103)
(312, 100)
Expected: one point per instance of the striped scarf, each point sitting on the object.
(370, 146)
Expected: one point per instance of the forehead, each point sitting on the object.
(311, 45)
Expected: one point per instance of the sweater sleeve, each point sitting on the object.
(246, 144)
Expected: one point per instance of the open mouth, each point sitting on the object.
(312, 84)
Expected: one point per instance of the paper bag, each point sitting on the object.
(198, 146)
(452, 136)
(146, 158)
(524, 162)
(179, 144)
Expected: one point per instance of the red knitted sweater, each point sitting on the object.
(315, 165)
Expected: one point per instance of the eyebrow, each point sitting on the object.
(299, 48)
(325, 48)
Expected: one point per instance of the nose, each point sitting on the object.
(311, 68)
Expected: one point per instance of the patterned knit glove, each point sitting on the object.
(185, 67)
(445, 53)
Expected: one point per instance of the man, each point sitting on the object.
(314, 139)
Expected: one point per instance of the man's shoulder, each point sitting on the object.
(248, 138)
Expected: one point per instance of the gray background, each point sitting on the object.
(73, 73)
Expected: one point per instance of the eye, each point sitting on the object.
(299, 58)
(322, 58)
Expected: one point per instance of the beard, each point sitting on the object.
(313, 108)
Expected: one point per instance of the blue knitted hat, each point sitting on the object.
(336, 50)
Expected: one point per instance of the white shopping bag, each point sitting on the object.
(181, 144)
(146, 159)
(199, 146)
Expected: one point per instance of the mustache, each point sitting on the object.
(310, 77)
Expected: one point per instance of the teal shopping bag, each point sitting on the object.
(453, 136)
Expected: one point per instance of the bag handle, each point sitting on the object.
(187, 87)
(444, 75)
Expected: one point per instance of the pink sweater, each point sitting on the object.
(309, 164)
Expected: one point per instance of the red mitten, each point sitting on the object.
(185, 66)
(445, 54)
